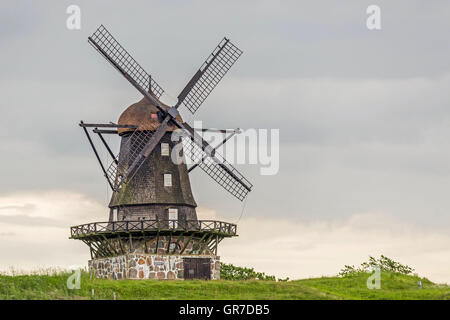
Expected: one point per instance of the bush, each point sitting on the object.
(383, 263)
(231, 272)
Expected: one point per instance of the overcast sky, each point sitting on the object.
(363, 117)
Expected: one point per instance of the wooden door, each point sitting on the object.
(197, 268)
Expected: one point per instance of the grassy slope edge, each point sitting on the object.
(393, 286)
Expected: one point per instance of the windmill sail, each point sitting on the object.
(208, 76)
(113, 51)
(139, 155)
(133, 149)
(218, 169)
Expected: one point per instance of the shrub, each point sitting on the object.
(232, 272)
(383, 263)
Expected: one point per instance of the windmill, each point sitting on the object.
(153, 230)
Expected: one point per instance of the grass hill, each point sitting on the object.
(393, 286)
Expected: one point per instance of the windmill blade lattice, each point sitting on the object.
(132, 148)
(208, 76)
(108, 46)
(218, 169)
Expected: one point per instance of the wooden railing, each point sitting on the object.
(210, 226)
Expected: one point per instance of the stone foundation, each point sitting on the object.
(147, 266)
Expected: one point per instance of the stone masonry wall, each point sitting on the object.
(147, 266)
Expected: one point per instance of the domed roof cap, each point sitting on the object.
(144, 115)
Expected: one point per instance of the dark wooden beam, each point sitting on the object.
(157, 238)
(186, 244)
(197, 245)
(105, 131)
(130, 240)
(110, 244)
(120, 244)
(205, 243)
(105, 249)
(100, 251)
(106, 125)
(98, 157)
(108, 148)
(168, 242)
(178, 241)
(145, 242)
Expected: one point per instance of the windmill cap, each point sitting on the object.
(143, 114)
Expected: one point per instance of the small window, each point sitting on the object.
(164, 149)
(173, 214)
(167, 180)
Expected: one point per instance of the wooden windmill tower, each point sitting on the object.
(153, 230)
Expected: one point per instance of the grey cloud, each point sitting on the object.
(7, 234)
(21, 208)
(363, 115)
(26, 220)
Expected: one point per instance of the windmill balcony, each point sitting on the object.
(220, 228)
(154, 249)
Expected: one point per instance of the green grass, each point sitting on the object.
(393, 286)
